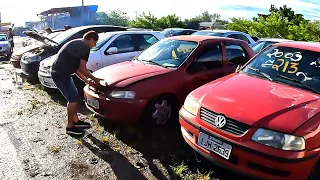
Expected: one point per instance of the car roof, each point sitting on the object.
(94, 26)
(198, 38)
(221, 30)
(131, 32)
(274, 39)
(311, 46)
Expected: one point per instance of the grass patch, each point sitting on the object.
(35, 104)
(105, 139)
(180, 169)
(78, 142)
(204, 176)
(55, 149)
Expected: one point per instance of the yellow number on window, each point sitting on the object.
(276, 67)
(294, 68)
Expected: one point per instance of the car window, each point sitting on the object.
(268, 43)
(123, 43)
(209, 58)
(258, 46)
(3, 37)
(239, 36)
(292, 66)
(103, 39)
(236, 54)
(168, 52)
(146, 40)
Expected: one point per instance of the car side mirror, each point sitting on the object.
(112, 50)
(238, 68)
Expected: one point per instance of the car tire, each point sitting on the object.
(161, 111)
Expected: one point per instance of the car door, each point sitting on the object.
(125, 46)
(208, 65)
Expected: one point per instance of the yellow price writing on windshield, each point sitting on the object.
(286, 66)
(185, 50)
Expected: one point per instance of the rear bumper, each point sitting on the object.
(247, 160)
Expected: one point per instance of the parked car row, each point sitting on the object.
(250, 106)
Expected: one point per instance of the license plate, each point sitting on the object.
(214, 145)
(93, 102)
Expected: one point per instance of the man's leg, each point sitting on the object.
(72, 111)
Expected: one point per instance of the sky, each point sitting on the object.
(19, 11)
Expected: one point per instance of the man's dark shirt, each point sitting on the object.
(69, 56)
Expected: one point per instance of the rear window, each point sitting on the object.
(3, 37)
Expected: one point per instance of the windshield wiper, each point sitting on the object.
(300, 83)
(135, 58)
(262, 73)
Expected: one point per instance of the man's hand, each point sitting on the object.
(97, 82)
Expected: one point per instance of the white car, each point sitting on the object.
(112, 48)
(4, 46)
(226, 33)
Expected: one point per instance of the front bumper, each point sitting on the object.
(30, 68)
(46, 80)
(247, 160)
(122, 110)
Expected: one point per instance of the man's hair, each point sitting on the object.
(91, 35)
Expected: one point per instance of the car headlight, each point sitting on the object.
(191, 106)
(279, 140)
(123, 94)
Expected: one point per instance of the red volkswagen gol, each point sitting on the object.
(263, 120)
(154, 84)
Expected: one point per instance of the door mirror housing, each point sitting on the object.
(112, 50)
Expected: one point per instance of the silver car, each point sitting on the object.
(5, 47)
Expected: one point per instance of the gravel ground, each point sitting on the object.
(35, 146)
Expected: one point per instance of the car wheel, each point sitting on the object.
(315, 174)
(161, 111)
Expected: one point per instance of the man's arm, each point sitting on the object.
(83, 69)
(82, 77)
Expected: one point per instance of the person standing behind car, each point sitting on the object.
(72, 59)
(10, 38)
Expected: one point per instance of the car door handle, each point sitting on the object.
(131, 57)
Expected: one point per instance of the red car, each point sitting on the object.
(264, 119)
(154, 84)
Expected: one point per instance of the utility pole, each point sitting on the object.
(82, 4)
(136, 14)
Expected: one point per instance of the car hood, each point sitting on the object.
(126, 73)
(25, 49)
(262, 103)
(38, 37)
(4, 42)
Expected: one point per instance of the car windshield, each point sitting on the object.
(3, 37)
(60, 38)
(103, 39)
(292, 66)
(208, 33)
(168, 52)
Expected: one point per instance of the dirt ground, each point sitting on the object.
(35, 145)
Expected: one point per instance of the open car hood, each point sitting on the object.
(38, 37)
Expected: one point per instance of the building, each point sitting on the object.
(57, 18)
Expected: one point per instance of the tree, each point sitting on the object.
(150, 21)
(146, 21)
(114, 17)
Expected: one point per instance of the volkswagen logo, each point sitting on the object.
(220, 121)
